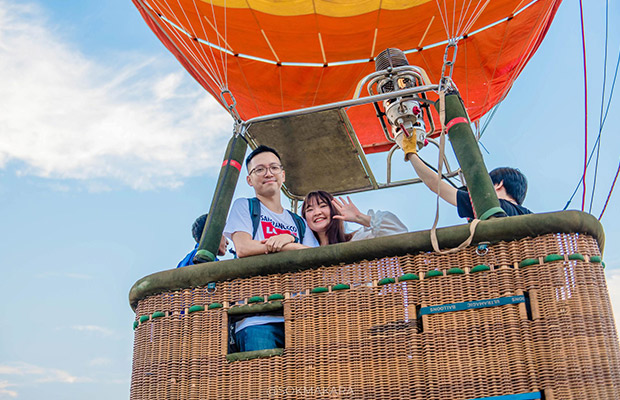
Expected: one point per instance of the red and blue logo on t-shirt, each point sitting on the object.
(272, 229)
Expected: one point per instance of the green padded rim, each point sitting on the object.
(385, 281)
(576, 256)
(158, 314)
(256, 308)
(275, 296)
(595, 259)
(213, 306)
(408, 277)
(320, 289)
(341, 286)
(455, 271)
(256, 299)
(480, 268)
(135, 324)
(433, 273)
(144, 318)
(553, 257)
(195, 308)
(493, 230)
(528, 261)
(249, 355)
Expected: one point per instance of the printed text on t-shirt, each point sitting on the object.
(273, 228)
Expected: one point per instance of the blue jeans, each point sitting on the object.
(261, 337)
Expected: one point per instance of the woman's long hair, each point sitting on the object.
(335, 229)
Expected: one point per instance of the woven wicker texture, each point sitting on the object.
(367, 342)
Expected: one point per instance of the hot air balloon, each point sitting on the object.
(468, 312)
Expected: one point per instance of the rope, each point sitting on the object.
(598, 147)
(442, 145)
(585, 93)
(611, 93)
(610, 191)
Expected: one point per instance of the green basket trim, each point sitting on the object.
(213, 306)
(248, 355)
(603, 264)
(256, 308)
(385, 281)
(480, 268)
(195, 308)
(527, 262)
(288, 262)
(144, 318)
(433, 273)
(455, 271)
(158, 314)
(341, 286)
(320, 289)
(408, 277)
(595, 259)
(135, 324)
(275, 296)
(256, 299)
(576, 256)
(554, 257)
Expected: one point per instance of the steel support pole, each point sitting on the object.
(483, 196)
(222, 197)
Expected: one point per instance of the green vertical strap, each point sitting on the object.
(481, 190)
(222, 197)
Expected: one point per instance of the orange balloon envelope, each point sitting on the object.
(276, 55)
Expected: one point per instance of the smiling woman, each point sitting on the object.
(325, 216)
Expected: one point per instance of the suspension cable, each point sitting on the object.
(585, 90)
(598, 147)
(610, 191)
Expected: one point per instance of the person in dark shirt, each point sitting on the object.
(510, 184)
(197, 227)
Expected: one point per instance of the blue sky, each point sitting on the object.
(108, 151)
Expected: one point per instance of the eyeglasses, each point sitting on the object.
(273, 168)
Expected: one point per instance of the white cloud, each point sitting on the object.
(93, 328)
(6, 393)
(65, 116)
(39, 374)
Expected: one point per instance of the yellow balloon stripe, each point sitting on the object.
(328, 8)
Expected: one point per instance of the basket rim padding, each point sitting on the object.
(492, 230)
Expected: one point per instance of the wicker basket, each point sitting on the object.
(524, 319)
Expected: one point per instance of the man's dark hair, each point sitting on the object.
(260, 149)
(514, 182)
(198, 226)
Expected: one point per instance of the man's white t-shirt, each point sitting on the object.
(271, 223)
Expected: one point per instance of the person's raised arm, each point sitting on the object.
(426, 174)
(349, 212)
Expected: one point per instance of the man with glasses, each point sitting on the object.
(277, 229)
(259, 227)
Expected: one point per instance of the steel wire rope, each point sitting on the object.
(204, 64)
(600, 131)
(610, 191)
(224, 82)
(611, 92)
(214, 66)
(598, 147)
(443, 17)
(181, 42)
(192, 34)
(585, 95)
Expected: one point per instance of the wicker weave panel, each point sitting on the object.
(367, 342)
